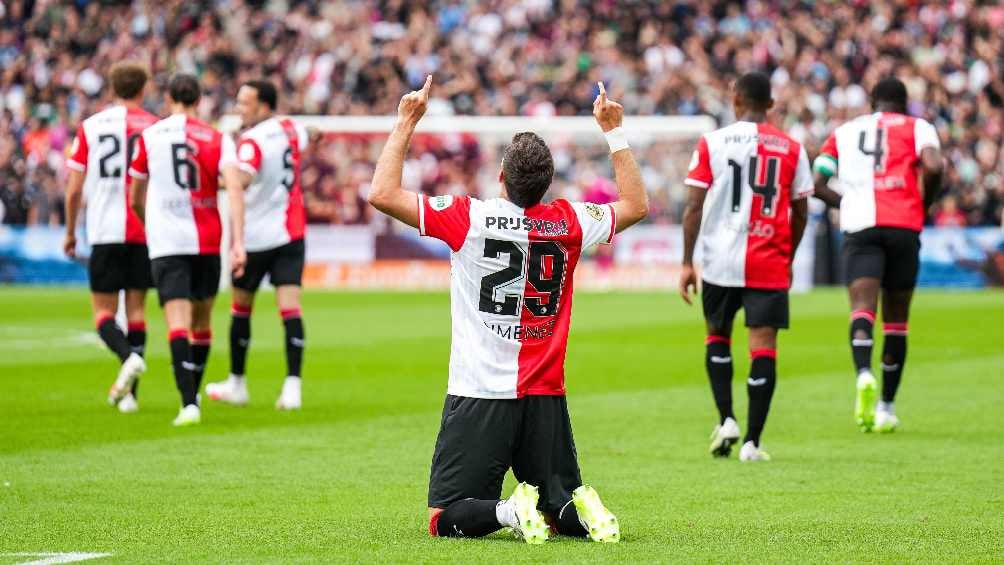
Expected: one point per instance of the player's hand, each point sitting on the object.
(70, 245)
(238, 259)
(314, 135)
(688, 283)
(413, 105)
(608, 113)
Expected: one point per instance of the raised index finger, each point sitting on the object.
(603, 91)
(427, 86)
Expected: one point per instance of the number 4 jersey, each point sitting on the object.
(182, 157)
(511, 288)
(875, 160)
(101, 151)
(270, 153)
(752, 172)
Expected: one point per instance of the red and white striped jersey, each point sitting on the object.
(511, 288)
(182, 157)
(270, 153)
(875, 160)
(752, 172)
(101, 151)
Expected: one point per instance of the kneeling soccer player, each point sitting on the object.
(511, 287)
(749, 181)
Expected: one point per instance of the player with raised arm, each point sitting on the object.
(887, 167)
(749, 182)
(119, 257)
(175, 174)
(275, 222)
(513, 260)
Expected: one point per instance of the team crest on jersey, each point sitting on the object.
(440, 203)
(246, 152)
(595, 211)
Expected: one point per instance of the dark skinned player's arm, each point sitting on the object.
(932, 166)
(799, 218)
(691, 229)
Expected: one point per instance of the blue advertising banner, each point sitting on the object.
(962, 257)
(34, 255)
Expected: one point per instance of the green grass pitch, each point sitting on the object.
(345, 479)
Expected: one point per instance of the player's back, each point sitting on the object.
(270, 152)
(752, 172)
(875, 158)
(101, 151)
(511, 288)
(182, 158)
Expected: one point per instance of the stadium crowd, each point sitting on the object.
(506, 57)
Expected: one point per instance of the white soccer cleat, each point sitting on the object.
(289, 398)
(750, 452)
(188, 416)
(128, 404)
(724, 436)
(885, 419)
(601, 523)
(527, 522)
(234, 391)
(131, 369)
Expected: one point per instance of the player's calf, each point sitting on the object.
(474, 518)
(862, 324)
(760, 387)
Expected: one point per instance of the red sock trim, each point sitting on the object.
(201, 337)
(717, 339)
(100, 319)
(772, 353)
(866, 314)
(290, 313)
(434, 522)
(894, 328)
(240, 311)
(177, 333)
(137, 326)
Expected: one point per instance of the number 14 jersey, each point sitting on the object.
(752, 172)
(511, 288)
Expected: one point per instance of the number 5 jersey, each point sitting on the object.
(101, 151)
(182, 157)
(752, 172)
(511, 288)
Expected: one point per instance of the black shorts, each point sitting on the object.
(191, 277)
(119, 266)
(891, 255)
(480, 439)
(283, 265)
(763, 307)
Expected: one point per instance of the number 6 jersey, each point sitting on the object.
(511, 288)
(752, 172)
(101, 151)
(182, 157)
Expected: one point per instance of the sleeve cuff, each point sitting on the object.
(76, 166)
(136, 174)
(696, 183)
(247, 168)
(421, 214)
(613, 225)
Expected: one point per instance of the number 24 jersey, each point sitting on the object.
(511, 288)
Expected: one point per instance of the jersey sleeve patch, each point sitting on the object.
(446, 218)
(249, 156)
(78, 152)
(138, 165)
(700, 174)
(597, 222)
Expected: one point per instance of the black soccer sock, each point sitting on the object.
(240, 338)
(468, 518)
(137, 342)
(862, 322)
(760, 387)
(113, 337)
(293, 322)
(893, 358)
(718, 362)
(567, 522)
(181, 360)
(201, 340)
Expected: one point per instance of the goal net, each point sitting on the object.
(352, 245)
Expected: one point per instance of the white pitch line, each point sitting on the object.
(54, 558)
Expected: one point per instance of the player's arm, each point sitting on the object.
(691, 228)
(799, 219)
(74, 196)
(825, 167)
(932, 165)
(137, 197)
(802, 187)
(139, 174)
(386, 193)
(631, 206)
(235, 181)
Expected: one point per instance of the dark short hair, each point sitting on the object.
(527, 168)
(128, 79)
(184, 88)
(754, 87)
(891, 91)
(267, 93)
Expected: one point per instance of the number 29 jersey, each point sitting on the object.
(511, 288)
(752, 172)
(182, 157)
